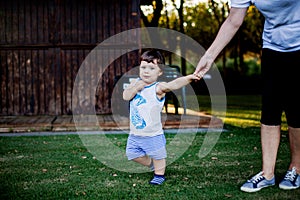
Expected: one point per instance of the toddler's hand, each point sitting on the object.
(194, 77)
(140, 84)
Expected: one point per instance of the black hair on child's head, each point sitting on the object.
(151, 55)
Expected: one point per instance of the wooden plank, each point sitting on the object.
(63, 123)
(51, 22)
(22, 82)
(39, 22)
(117, 15)
(74, 70)
(57, 83)
(9, 74)
(39, 86)
(74, 22)
(36, 93)
(67, 90)
(34, 22)
(64, 22)
(80, 23)
(93, 21)
(99, 21)
(70, 77)
(4, 83)
(86, 21)
(28, 82)
(106, 21)
(14, 23)
(28, 23)
(45, 22)
(49, 72)
(14, 83)
(3, 24)
(65, 67)
(17, 121)
(42, 82)
(8, 21)
(22, 23)
(105, 122)
(94, 76)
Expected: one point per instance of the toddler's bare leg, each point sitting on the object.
(159, 166)
(145, 160)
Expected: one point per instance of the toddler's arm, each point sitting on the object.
(133, 88)
(165, 87)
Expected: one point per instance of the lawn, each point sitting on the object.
(61, 167)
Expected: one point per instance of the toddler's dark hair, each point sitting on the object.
(151, 55)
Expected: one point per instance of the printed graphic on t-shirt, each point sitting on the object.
(136, 119)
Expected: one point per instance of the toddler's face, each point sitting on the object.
(149, 72)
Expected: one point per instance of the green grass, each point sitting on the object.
(61, 167)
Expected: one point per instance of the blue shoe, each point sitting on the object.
(157, 180)
(256, 183)
(291, 180)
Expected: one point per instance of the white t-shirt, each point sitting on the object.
(282, 22)
(145, 112)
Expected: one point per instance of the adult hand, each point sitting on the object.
(192, 77)
(203, 66)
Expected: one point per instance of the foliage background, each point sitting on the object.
(239, 62)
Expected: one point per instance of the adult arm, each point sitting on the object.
(225, 34)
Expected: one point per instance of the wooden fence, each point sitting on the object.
(43, 44)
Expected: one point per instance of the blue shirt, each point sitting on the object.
(282, 22)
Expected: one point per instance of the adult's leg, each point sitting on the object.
(270, 139)
(272, 100)
(294, 137)
(292, 108)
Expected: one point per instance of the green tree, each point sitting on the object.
(151, 20)
(202, 22)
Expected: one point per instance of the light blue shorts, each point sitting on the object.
(139, 146)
